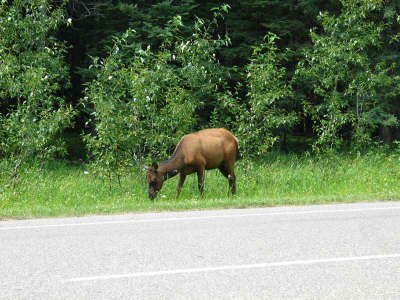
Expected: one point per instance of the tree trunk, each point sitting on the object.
(385, 134)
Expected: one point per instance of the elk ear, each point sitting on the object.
(154, 165)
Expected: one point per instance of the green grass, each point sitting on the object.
(63, 189)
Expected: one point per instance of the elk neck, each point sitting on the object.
(172, 166)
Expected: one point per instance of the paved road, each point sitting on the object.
(346, 251)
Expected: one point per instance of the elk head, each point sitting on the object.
(155, 180)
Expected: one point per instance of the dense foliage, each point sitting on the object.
(352, 73)
(144, 100)
(271, 103)
(323, 74)
(33, 75)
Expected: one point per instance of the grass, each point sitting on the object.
(63, 189)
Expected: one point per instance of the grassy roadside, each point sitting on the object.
(62, 189)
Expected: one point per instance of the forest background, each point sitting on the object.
(112, 84)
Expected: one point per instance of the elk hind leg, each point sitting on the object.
(229, 173)
(200, 180)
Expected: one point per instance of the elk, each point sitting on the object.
(196, 152)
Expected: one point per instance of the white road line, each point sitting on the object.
(235, 267)
(306, 212)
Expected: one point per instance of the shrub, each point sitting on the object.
(143, 100)
(270, 99)
(32, 75)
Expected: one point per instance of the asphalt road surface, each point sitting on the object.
(345, 251)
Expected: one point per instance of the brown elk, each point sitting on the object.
(196, 152)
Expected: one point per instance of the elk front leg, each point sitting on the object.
(182, 178)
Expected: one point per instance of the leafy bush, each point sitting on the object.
(270, 99)
(353, 79)
(32, 75)
(144, 100)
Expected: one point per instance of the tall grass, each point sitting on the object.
(63, 189)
